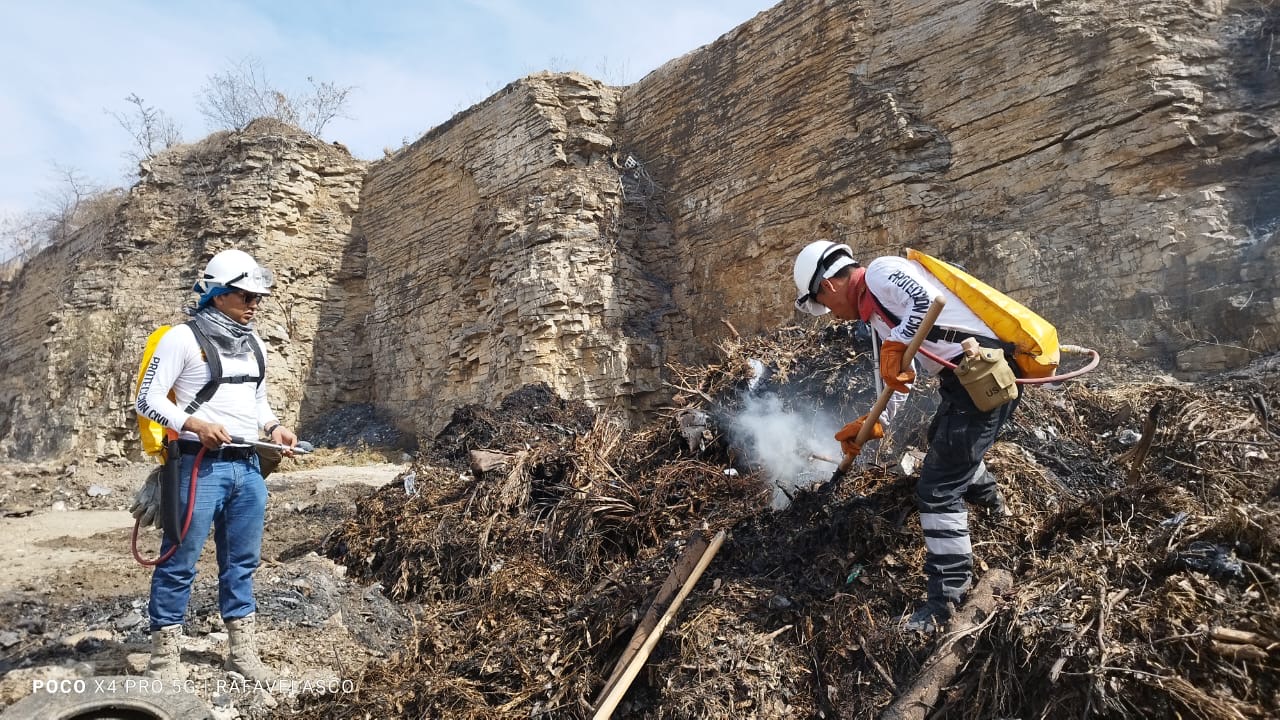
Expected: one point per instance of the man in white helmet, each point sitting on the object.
(178, 392)
(893, 294)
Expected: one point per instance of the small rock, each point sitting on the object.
(58, 506)
(909, 464)
(137, 662)
(779, 602)
(263, 698)
(9, 639)
(224, 713)
(97, 635)
(221, 700)
(128, 620)
(17, 511)
(99, 490)
(219, 637)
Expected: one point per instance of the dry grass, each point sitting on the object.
(529, 581)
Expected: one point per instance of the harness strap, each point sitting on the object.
(215, 368)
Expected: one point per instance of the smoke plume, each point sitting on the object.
(779, 442)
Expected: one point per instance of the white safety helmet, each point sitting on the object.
(817, 261)
(237, 269)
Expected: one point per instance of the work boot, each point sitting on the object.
(166, 655)
(1000, 509)
(997, 511)
(242, 651)
(929, 617)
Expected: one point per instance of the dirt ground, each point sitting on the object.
(73, 600)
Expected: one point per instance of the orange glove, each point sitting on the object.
(891, 352)
(848, 436)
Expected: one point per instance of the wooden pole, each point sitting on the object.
(938, 671)
(930, 317)
(693, 552)
(611, 700)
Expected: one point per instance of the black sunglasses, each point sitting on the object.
(248, 297)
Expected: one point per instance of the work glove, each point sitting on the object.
(146, 502)
(848, 436)
(891, 352)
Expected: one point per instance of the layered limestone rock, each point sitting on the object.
(1114, 165)
(513, 245)
(76, 318)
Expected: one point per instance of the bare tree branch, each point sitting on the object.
(234, 98)
(151, 129)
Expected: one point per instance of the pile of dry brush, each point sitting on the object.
(1145, 548)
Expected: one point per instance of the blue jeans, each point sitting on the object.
(231, 496)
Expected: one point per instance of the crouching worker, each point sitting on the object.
(231, 495)
(893, 294)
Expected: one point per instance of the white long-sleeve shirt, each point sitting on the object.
(906, 289)
(177, 365)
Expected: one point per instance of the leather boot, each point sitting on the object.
(166, 655)
(242, 651)
(1000, 509)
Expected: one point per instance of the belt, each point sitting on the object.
(191, 447)
(952, 335)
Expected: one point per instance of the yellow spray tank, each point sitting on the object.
(1036, 350)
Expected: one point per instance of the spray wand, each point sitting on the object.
(303, 446)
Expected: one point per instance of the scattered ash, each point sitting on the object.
(355, 426)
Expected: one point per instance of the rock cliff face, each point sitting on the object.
(1114, 165)
(503, 250)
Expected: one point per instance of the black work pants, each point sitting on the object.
(953, 472)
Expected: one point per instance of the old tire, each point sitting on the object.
(119, 697)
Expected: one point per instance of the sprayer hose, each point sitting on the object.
(1067, 349)
(186, 524)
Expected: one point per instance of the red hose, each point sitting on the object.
(1069, 349)
(186, 524)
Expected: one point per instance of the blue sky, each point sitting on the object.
(413, 64)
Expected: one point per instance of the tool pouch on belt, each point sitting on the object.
(268, 460)
(171, 502)
(987, 377)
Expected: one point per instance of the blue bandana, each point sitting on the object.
(213, 292)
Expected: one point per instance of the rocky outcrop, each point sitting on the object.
(1113, 165)
(76, 318)
(514, 245)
